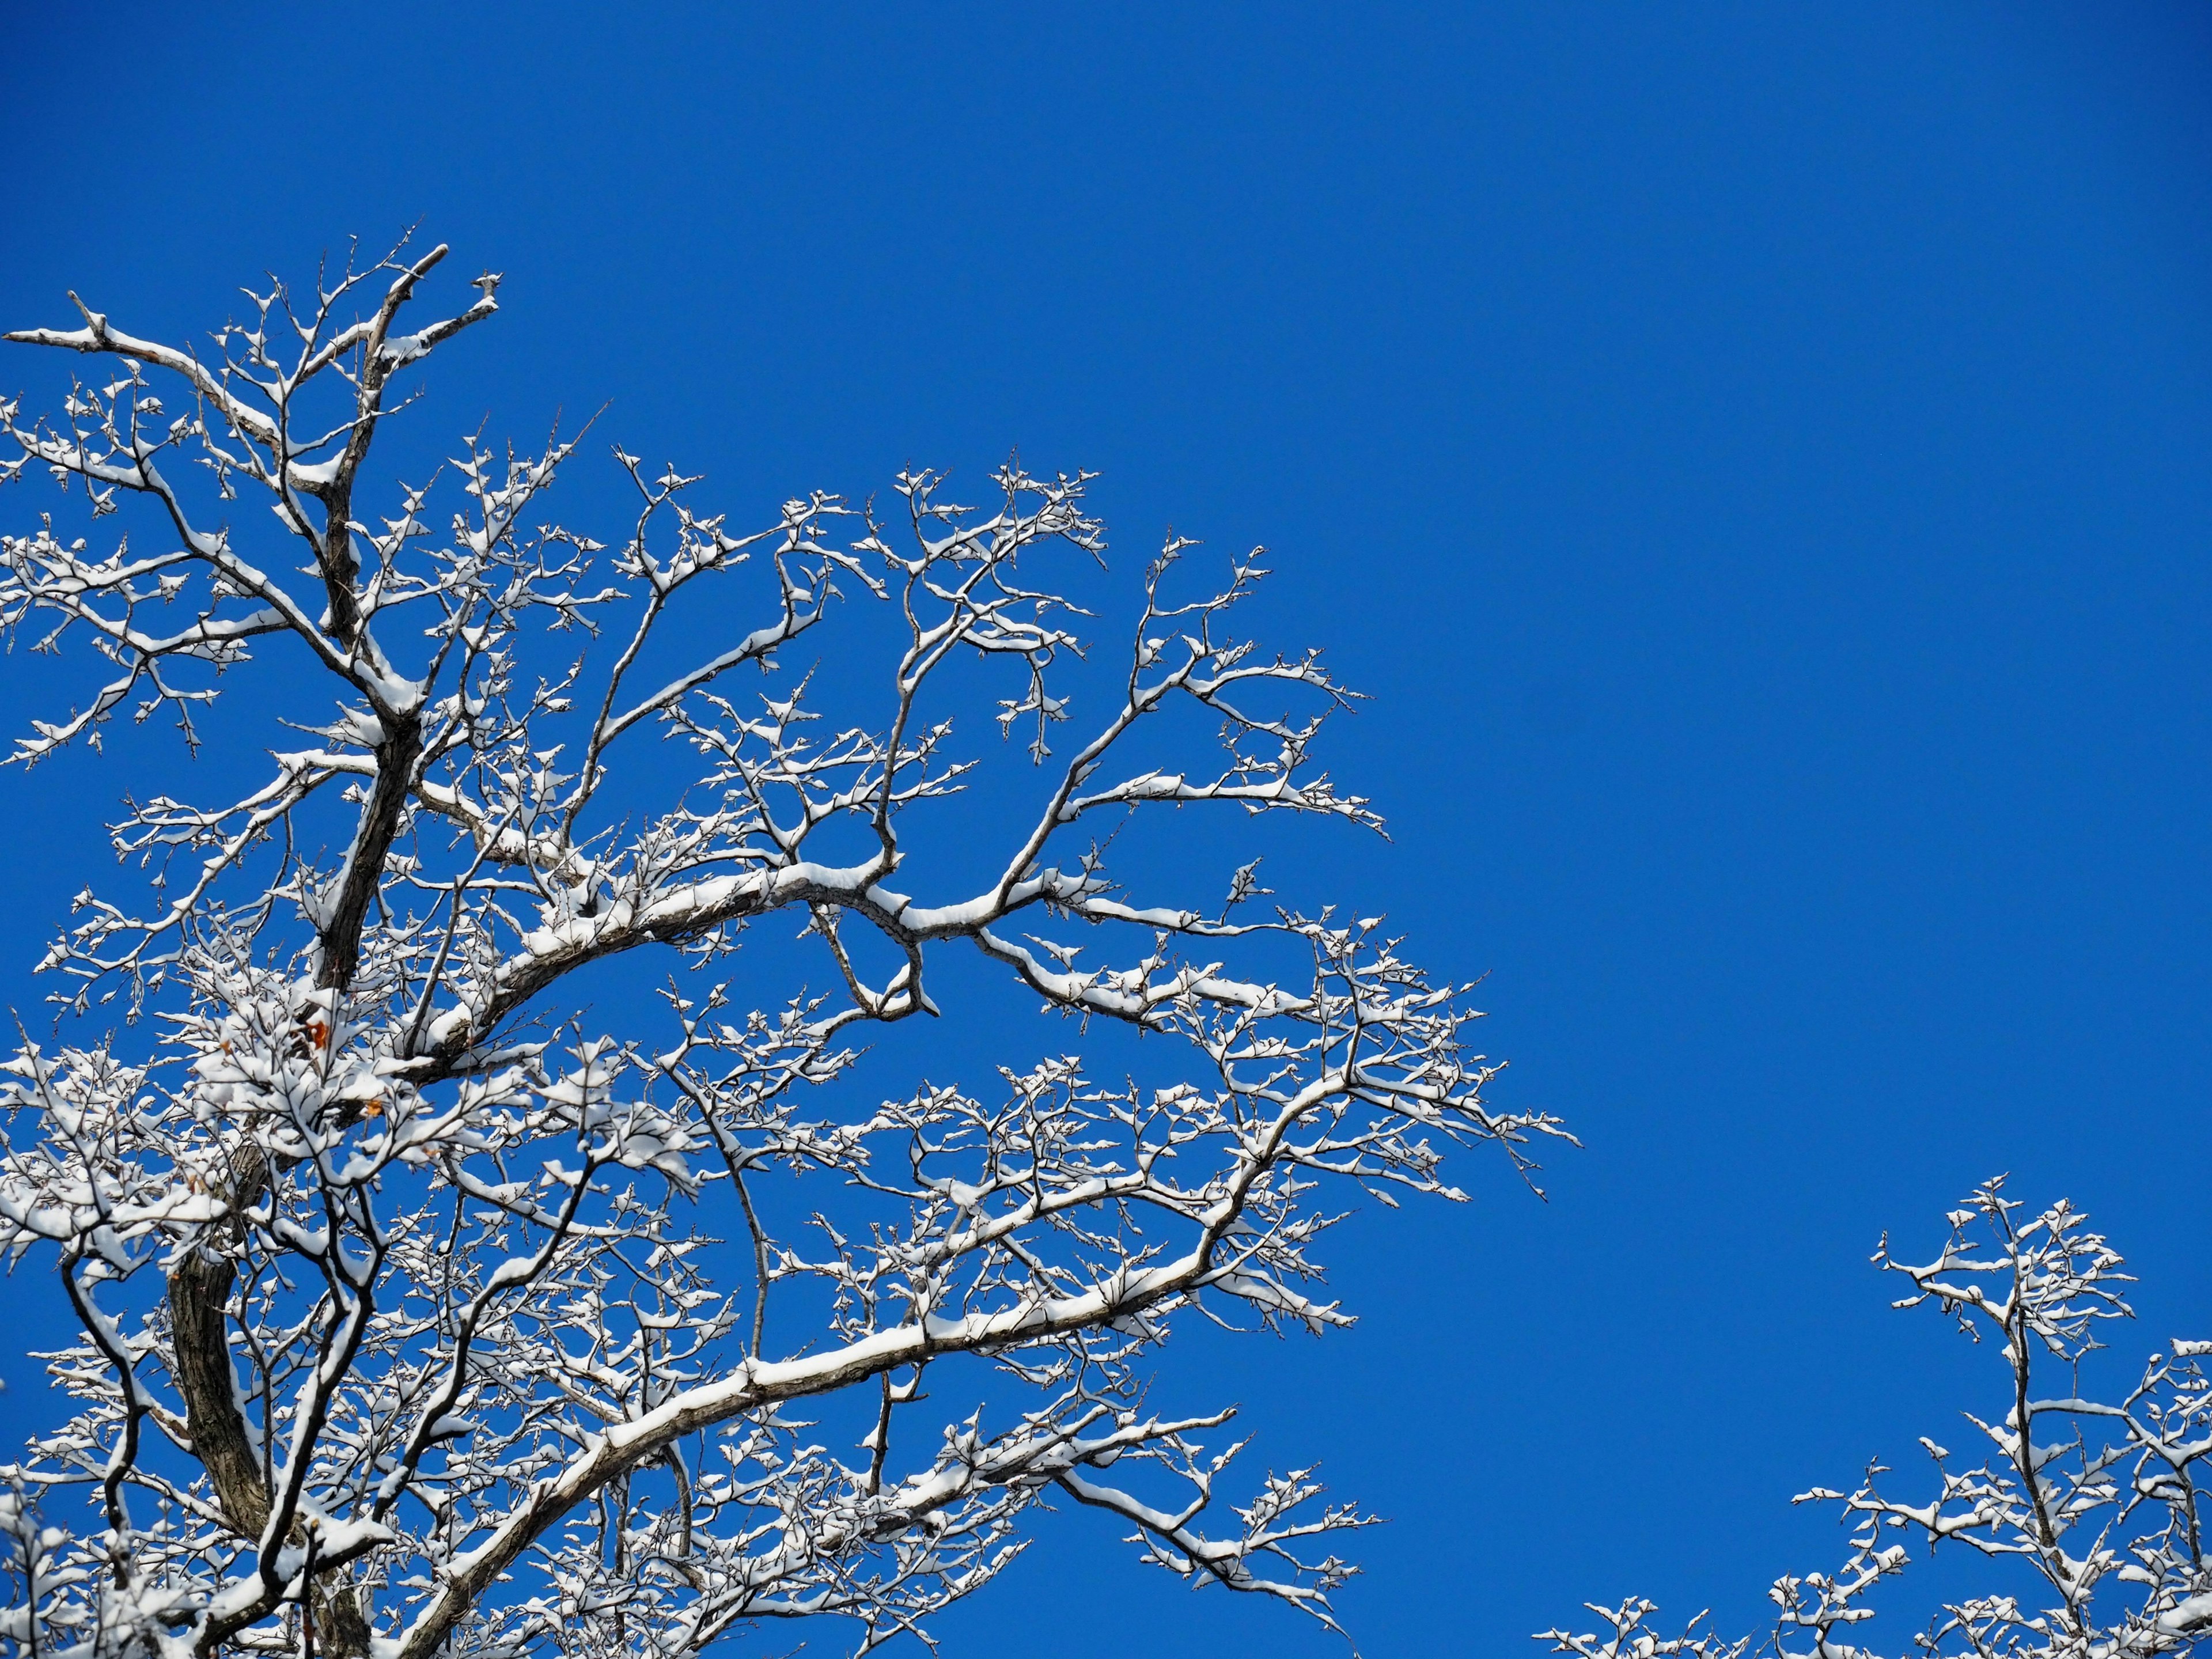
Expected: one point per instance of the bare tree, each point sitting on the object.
(420, 1314)
(2090, 1508)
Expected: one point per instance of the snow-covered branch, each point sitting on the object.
(2087, 1511)
(422, 1314)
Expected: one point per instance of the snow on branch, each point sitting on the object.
(2087, 1507)
(420, 1314)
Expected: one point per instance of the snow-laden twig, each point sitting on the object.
(2088, 1510)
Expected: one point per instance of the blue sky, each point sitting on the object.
(1754, 458)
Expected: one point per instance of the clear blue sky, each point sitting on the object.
(1755, 456)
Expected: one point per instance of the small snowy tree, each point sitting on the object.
(420, 1314)
(2091, 1509)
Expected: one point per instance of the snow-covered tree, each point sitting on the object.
(2087, 1507)
(420, 1314)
